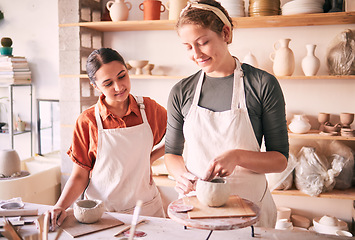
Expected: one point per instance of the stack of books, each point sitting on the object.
(14, 69)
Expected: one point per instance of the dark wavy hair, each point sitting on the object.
(99, 57)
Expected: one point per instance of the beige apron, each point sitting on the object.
(209, 134)
(121, 174)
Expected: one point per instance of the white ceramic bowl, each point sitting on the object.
(9, 162)
(283, 224)
(214, 193)
(88, 211)
(138, 65)
(329, 225)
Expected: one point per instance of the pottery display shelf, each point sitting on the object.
(241, 22)
(314, 134)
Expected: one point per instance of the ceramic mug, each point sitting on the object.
(152, 9)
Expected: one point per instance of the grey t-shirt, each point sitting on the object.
(264, 100)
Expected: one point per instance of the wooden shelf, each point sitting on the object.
(315, 134)
(345, 77)
(335, 194)
(314, 19)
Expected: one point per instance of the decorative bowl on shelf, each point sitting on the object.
(138, 65)
(329, 224)
(149, 67)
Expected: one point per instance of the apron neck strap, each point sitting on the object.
(98, 117)
(238, 97)
(141, 106)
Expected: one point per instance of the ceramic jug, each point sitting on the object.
(283, 58)
(152, 9)
(310, 63)
(118, 9)
(250, 59)
(299, 124)
(175, 7)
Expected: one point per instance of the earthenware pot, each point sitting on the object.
(299, 124)
(175, 7)
(250, 59)
(152, 9)
(283, 58)
(213, 193)
(88, 211)
(9, 162)
(346, 119)
(119, 10)
(322, 119)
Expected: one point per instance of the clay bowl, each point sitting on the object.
(328, 224)
(213, 193)
(323, 117)
(149, 67)
(330, 128)
(346, 118)
(88, 211)
(138, 65)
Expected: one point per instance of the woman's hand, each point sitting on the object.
(56, 216)
(221, 166)
(185, 183)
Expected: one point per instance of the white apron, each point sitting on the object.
(209, 134)
(121, 174)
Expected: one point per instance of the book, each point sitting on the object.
(12, 59)
(13, 65)
(14, 73)
(14, 81)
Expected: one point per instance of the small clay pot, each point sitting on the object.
(346, 119)
(10, 162)
(88, 211)
(214, 193)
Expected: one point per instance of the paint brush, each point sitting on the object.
(136, 212)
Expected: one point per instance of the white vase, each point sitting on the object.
(250, 59)
(118, 9)
(283, 58)
(175, 7)
(310, 63)
(9, 162)
(299, 124)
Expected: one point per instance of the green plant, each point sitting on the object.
(6, 42)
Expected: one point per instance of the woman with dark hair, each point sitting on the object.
(113, 144)
(218, 117)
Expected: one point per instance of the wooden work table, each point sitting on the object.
(159, 229)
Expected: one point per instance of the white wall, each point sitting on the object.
(33, 27)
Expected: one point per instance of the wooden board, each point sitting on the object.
(235, 207)
(77, 229)
(18, 212)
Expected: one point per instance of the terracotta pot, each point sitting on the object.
(152, 9)
(346, 119)
(322, 119)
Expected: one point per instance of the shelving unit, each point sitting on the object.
(314, 19)
(12, 132)
(318, 19)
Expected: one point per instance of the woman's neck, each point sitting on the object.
(227, 68)
(118, 109)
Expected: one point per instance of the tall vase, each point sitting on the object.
(283, 58)
(310, 63)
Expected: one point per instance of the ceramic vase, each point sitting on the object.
(151, 9)
(119, 10)
(283, 58)
(310, 63)
(175, 7)
(251, 60)
(299, 124)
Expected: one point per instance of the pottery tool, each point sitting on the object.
(136, 212)
(11, 230)
(128, 227)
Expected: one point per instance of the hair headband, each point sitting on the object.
(213, 9)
